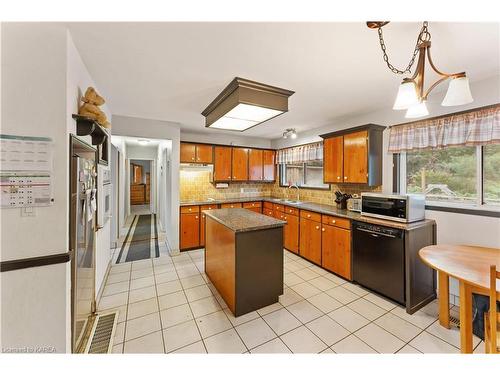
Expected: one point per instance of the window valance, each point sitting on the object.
(300, 154)
(477, 127)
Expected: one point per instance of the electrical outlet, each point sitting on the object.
(28, 211)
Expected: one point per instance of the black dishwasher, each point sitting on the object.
(379, 259)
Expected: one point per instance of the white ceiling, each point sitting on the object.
(172, 71)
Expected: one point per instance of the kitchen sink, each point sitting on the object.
(292, 202)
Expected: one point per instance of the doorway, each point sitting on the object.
(140, 187)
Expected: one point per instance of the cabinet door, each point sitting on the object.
(240, 164)
(336, 250)
(310, 240)
(190, 230)
(255, 165)
(269, 166)
(292, 233)
(204, 154)
(222, 161)
(203, 221)
(188, 153)
(333, 159)
(356, 157)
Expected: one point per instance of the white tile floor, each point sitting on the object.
(168, 305)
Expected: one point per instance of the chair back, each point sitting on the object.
(494, 316)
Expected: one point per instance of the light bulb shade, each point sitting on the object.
(458, 92)
(293, 135)
(417, 110)
(407, 95)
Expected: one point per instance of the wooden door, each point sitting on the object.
(202, 229)
(240, 164)
(336, 250)
(269, 166)
(136, 174)
(204, 154)
(292, 233)
(255, 165)
(333, 159)
(356, 157)
(188, 152)
(310, 240)
(222, 163)
(190, 230)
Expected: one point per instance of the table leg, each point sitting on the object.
(465, 318)
(444, 299)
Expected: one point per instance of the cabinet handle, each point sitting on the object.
(345, 177)
(338, 177)
(308, 215)
(196, 217)
(322, 229)
(317, 226)
(284, 217)
(192, 158)
(203, 216)
(189, 209)
(333, 221)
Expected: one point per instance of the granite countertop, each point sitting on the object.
(243, 220)
(325, 209)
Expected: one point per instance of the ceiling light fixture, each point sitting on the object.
(244, 104)
(411, 95)
(292, 133)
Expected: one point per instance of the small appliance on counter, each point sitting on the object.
(354, 203)
(405, 208)
(341, 199)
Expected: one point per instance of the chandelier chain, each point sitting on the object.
(423, 36)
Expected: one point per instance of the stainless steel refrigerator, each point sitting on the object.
(82, 240)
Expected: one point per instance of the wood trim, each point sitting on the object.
(226, 145)
(46, 260)
(448, 115)
(353, 130)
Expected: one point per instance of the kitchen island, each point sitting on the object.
(244, 257)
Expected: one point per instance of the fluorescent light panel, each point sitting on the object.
(244, 116)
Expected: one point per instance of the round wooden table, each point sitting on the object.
(470, 265)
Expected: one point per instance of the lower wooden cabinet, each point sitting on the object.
(189, 230)
(291, 233)
(336, 250)
(310, 240)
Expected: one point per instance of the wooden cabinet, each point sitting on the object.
(196, 153)
(230, 205)
(137, 194)
(222, 163)
(356, 153)
(333, 159)
(310, 240)
(253, 206)
(240, 164)
(189, 230)
(336, 250)
(291, 232)
(255, 165)
(269, 169)
(203, 221)
(188, 153)
(353, 155)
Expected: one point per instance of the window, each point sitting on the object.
(307, 175)
(462, 175)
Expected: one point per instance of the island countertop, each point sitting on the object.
(243, 220)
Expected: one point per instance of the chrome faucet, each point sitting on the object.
(298, 190)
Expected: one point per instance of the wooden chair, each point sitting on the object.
(492, 318)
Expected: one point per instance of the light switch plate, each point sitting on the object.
(28, 211)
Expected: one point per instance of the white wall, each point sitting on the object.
(163, 189)
(144, 128)
(451, 227)
(226, 139)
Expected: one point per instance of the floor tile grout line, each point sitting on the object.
(158, 305)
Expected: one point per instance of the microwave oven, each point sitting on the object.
(405, 208)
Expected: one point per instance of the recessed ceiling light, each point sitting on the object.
(244, 104)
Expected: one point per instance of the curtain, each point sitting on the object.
(478, 127)
(300, 154)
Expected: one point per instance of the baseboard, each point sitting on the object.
(104, 280)
(171, 251)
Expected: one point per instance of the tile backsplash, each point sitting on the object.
(195, 185)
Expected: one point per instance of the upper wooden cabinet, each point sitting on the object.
(255, 165)
(196, 153)
(222, 163)
(240, 164)
(353, 155)
(333, 159)
(269, 165)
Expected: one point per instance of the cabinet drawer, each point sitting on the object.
(230, 205)
(252, 204)
(337, 221)
(209, 207)
(291, 210)
(268, 212)
(268, 205)
(278, 207)
(190, 209)
(310, 215)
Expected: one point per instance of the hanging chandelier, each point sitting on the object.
(411, 94)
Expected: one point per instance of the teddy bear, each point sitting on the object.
(90, 107)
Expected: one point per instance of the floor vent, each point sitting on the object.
(455, 322)
(103, 331)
